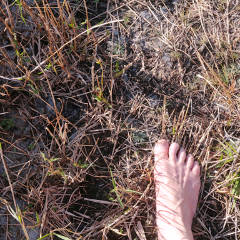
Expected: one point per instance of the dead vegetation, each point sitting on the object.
(87, 87)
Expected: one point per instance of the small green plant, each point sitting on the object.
(229, 73)
(20, 7)
(16, 214)
(118, 49)
(117, 71)
(33, 88)
(81, 164)
(37, 218)
(236, 185)
(176, 55)
(139, 137)
(7, 124)
(228, 152)
(117, 65)
(115, 190)
(126, 20)
(48, 67)
(173, 130)
(49, 160)
(98, 93)
(21, 54)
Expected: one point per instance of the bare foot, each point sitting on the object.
(177, 179)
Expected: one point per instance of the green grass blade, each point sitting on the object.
(62, 237)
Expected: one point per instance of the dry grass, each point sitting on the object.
(87, 88)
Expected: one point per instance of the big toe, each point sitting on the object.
(161, 149)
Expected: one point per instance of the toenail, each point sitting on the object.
(161, 141)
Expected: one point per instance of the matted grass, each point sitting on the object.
(87, 87)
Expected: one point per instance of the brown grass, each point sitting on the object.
(85, 91)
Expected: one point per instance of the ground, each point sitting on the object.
(87, 88)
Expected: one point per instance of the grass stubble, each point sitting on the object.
(87, 87)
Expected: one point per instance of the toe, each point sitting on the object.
(196, 169)
(189, 162)
(173, 149)
(181, 156)
(161, 149)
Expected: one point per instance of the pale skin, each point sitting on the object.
(177, 182)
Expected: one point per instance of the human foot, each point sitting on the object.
(177, 180)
